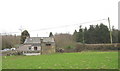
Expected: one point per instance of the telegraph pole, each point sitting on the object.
(37, 35)
(110, 30)
(21, 29)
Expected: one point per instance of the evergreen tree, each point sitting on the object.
(96, 34)
(104, 34)
(75, 36)
(90, 34)
(115, 36)
(80, 35)
(85, 35)
(50, 35)
(75, 32)
(119, 36)
(24, 35)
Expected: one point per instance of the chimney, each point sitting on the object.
(41, 39)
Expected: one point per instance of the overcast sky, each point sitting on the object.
(44, 16)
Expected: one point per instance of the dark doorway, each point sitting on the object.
(48, 44)
(35, 48)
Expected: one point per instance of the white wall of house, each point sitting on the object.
(31, 54)
(32, 48)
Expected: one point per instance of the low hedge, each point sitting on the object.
(99, 47)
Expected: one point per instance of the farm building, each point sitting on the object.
(38, 45)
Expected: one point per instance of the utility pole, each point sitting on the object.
(110, 30)
(21, 29)
(37, 35)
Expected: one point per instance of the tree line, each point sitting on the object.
(96, 34)
(93, 35)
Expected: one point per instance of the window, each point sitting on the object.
(35, 48)
(48, 44)
(29, 48)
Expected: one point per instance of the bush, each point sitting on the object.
(69, 47)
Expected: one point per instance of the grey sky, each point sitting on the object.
(35, 15)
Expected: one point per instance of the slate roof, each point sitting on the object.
(38, 39)
(23, 48)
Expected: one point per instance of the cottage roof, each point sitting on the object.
(23, 48)
(39, 39)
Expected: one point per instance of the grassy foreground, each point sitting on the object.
(83, 60)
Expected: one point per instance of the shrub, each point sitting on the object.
(69, 47)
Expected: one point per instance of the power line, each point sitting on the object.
(56, 27)
(68, 25)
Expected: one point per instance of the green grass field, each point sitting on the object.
(83, 60)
